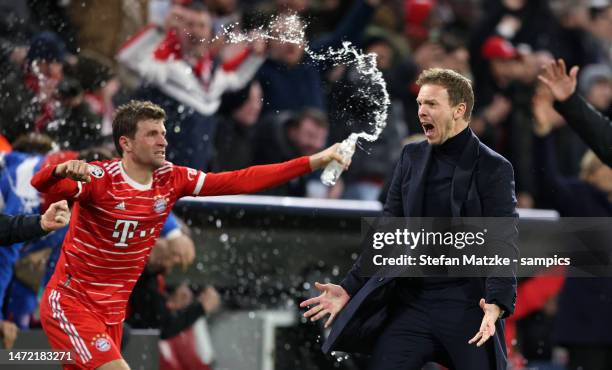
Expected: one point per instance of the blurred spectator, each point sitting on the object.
(559, 26)
(289, 69)
(287, 136)
(325, 16)
(600, 26)
(570, 38)
(184, 75)
(28, 97)
(16, 30)
(417, 15)
(151, 307)
(234, 140)
(22, 20)
(292, 6)
(556, 26)
(100, 85)
(503, 117)
(595, 84)
(225, 12)
(75, 126)
(94, 20)
(501, 65)
(40, 98)
(52, 15)
(192, 349)
(322, 17)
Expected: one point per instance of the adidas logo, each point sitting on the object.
(120, 206)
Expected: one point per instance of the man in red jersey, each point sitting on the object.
(120, 207)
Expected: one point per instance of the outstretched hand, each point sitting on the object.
(555, 76)
(330, 302)
(487, 328)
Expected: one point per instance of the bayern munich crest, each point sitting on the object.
(96, 171)
(159, 204)
(101, 343)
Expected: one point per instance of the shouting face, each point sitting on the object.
(438, 118)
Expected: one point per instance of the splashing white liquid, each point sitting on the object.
(292, 30)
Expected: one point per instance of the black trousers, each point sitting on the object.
(435, 326)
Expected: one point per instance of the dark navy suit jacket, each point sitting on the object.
(482, 186)
(16, 229)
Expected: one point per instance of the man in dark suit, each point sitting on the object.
(406, 322)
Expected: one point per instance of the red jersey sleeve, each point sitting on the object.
(190, 182)
(45, 182)
(251, 179)
(187, 181)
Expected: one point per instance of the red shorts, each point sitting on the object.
(70, 326)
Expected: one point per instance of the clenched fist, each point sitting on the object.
(56, 216)
(74, 169)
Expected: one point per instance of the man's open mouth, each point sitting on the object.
(428, 128)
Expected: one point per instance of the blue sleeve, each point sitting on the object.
(170, 225)
(52, 240)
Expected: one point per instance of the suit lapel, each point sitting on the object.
(462, 176)
(416, 190)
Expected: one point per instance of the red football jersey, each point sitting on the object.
(115, 222)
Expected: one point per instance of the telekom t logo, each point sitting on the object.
(125, 232)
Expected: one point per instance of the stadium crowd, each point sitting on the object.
(66, 65)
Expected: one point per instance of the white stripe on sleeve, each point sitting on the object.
(199, 184)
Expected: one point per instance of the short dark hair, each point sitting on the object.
(128, 115)
(459, 88)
